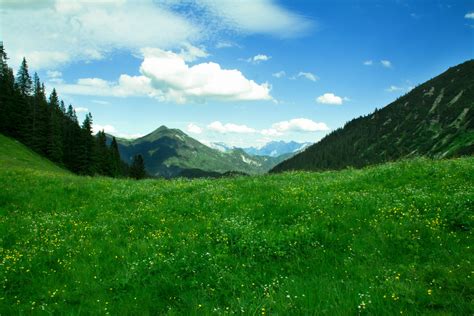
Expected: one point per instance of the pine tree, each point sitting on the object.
(87, 155)
(23, 80)
(38, 117)
(20, 115)
(103, 159)
(54, 146)
(7, 94)
(115, 161)
(137, 169)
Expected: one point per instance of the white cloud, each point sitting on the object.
(54, 74)
(368, 63)
(226, 44)
(124, 87)
(101, 102)
(190, 53)
(270, 132)
(279, 74)
(259, 16)
(394, 88)
(308, 75)
(109, 129)
(469, 15)
(167, 77)
(58, 32)
(258, 58)
(298, 125)
(53, 33)
(193, 128)
(176, 81)
(329, 98)
(229, 128)
(81, 110)
(386, 63)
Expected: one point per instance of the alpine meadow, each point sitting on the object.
(265, 157)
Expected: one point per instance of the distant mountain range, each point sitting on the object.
(276, 148)
(271, 149)
(436, 119)
(172, 153)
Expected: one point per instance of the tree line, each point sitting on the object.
(51, 129)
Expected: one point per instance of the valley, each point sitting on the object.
(390, 239)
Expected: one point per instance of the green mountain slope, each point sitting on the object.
(435, 119)
(172, 153)
(16, 156)
(378, 241)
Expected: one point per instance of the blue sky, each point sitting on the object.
(240, 72)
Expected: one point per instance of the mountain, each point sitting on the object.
(436, 119)
(271, 149)
(172, 153)
(276, 148)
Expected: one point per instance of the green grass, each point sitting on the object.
(390, 239)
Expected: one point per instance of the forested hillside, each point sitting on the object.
(51, 129)
(436, 119)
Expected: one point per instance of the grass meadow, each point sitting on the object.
(389, 239)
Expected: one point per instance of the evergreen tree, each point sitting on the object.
(55, 145)
(103, 159)
(115, 161)
(7, 82)
(38, 117)
(87, 154)
(23, 80)
(49, 128)
(20, 115)
(137, 169)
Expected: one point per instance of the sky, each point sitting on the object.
(239, 72)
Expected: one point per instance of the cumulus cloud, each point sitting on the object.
(308, 75)
(176, 81)
(279, 74)
(368, 63)
(53, 33)
(469, 15)
(386, 63)
(193, 128)
(330, 98)
(217, 126)
(166, 77)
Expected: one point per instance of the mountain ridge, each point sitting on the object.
(435, 119)
(170, 153)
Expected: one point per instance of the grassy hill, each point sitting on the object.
(14, 156)
(172, 153)
(391, 239)
(435, 119)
